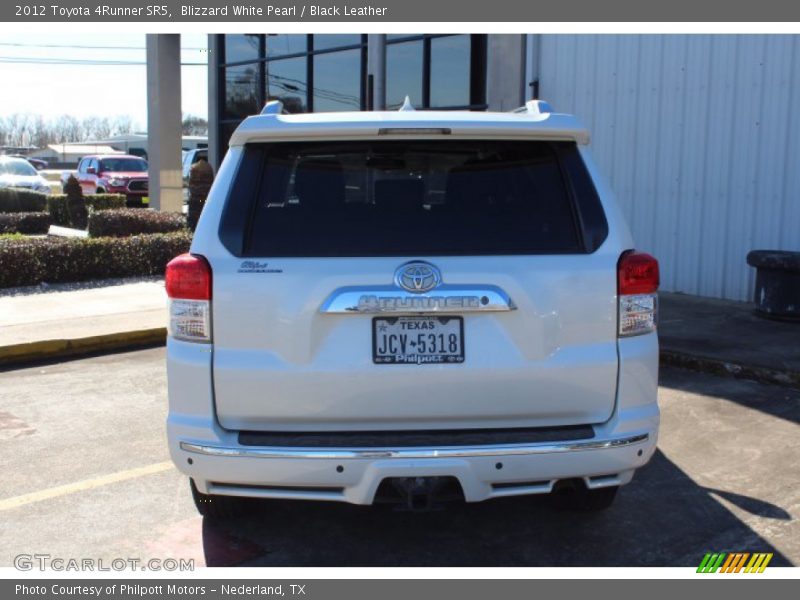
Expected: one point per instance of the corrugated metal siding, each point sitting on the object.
(700, 138)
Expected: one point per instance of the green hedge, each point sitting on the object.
(35, 260)
(25, 222)
(57, 205)
(15, 200)
(132, 221)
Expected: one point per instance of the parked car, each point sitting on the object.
(113, 174)
(190, 157)
(19, 173)
(408, 306)
(35, 162)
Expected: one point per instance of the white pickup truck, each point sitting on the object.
(411, 306)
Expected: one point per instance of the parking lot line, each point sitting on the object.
(86, 484)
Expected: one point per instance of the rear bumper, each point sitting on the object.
(354, 474)
(219, 464)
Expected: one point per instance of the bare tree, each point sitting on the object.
(193, 125)
(122, 124)
(34, 130)
(68, 129)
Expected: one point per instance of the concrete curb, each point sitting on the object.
(724, 368)
(17, 354)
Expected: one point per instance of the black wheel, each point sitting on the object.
(218, 507)
(100, 191)
(582, 499)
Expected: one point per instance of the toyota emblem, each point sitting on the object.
(417, 277)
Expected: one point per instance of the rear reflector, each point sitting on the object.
(637, 284)
(188, 283)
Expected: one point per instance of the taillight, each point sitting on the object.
(188, 283)
(637, 287)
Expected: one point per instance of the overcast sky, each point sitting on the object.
(54, 74)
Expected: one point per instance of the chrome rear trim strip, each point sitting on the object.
(444, 452)
(442, 299)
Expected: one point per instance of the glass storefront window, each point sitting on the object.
(287, 82)
(225, 133)
(337, 81)
(283, 44)
(403, 73)
(435, 71)
(335, 40)
(450, 68)
(241, 47)
(241, 91)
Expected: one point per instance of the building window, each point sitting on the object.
(404, 73)
(287, 81)
(285, 44)
(337, 81)
(436, 71)
(241, 91)
(324, 72)
(328, 72)
(450, 71)
(241, 48)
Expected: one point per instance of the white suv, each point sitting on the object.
(408, 306)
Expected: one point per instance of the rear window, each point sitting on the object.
(404, 198)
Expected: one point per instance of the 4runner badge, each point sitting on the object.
(253, 266)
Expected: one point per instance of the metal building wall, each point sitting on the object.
(700, 138)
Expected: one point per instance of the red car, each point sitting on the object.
(114, 174)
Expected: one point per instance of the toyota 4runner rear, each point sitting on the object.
(409, 306)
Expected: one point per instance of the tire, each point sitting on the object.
(218, 507)
(100, 191)
(582, 499)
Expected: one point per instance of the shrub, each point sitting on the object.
(13, 200)
(76, 207)
(105, 201)
(132, 221)
(31, 261)
(57, 205)
(25, 222)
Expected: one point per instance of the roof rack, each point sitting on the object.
(273, 107)
(535, 108)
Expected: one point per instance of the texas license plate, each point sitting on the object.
(417, 340)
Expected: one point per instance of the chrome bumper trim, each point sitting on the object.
(444, 452)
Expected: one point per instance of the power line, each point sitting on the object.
(78, 46)
(28, 60)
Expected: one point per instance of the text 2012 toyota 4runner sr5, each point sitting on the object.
(411, 305)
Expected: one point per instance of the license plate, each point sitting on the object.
(417, 340)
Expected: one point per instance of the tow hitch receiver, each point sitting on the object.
(422, 494)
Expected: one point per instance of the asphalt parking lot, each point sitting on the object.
(86, 474)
